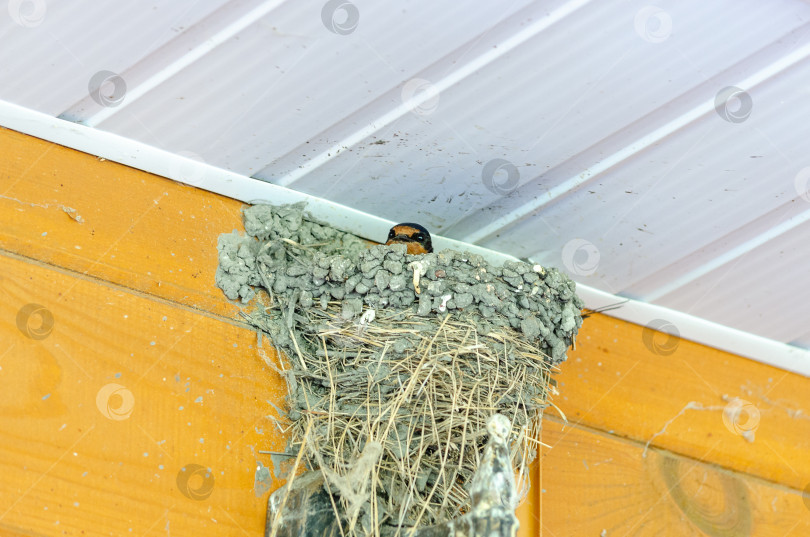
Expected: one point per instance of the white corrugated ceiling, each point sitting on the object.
(593, 136)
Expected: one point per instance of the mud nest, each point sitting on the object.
(395, 362)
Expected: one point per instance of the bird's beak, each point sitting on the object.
(404, 238)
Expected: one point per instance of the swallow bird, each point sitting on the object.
(414, 236)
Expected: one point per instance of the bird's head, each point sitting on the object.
(414, 236)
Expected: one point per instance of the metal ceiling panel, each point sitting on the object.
(707, 180)
(285, 79)
(533, 108)
(764, 291)
(52, 49)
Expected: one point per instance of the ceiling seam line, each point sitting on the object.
(417, 100)
(728, 256)
(195, 54)
(633, 148)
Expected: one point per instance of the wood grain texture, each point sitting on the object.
(105, 403)
(148, 248)
(598, 485)
(614, 382)
(141, 231)
(107, 396)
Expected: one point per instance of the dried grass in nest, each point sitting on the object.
(398, 406)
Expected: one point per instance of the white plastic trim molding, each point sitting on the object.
(160, 162)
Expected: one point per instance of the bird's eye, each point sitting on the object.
(391, 234)
(420, 237)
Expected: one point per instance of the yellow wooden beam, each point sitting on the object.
(615, 382)
(123, 259)
(106, 396)
(116, 223)
(159, 237)
(596, 484)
